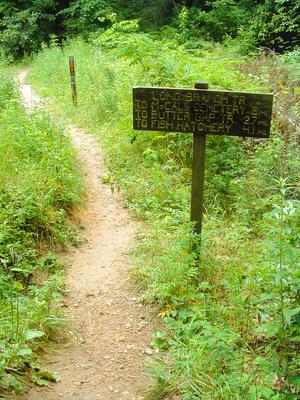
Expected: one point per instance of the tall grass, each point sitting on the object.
(39, 185)
(231, 318)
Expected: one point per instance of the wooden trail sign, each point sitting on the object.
(201, 111)
(73, 80)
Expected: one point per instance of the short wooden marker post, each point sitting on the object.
(201, 111)
(73, 80)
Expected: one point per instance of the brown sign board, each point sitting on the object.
(202, 111)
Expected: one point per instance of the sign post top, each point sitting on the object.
(201, 85)
(202, 111)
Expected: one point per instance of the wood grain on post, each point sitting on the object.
(73, 81)
(199, 140)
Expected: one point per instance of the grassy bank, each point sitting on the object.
(39, 185)
(232, 318)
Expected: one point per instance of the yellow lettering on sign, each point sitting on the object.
(161, 115)
(180, 116)
(187, 127)
(153, 123)
(196, 97)
(242, 100)
(154, 114)
(213, 128)
(137, 103)
(188, 97)
(218, 99)
(169, 125)
(235, 99)
(243, 109)
(211, 117)
(201, 127)
(154, 98)
(235, 110)
(229, 118)
(154, 105)
(162, 95)
(187, 116)
(176, 96)
(227, 127)
(161, 124)
(221, 128)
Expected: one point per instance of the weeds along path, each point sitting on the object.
(110, 330)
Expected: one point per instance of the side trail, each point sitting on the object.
(110, 330)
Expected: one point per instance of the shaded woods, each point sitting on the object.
(26, 25)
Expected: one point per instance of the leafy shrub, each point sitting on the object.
(292, 60)
(269, 23)
(276, 24)
(20, 33)
(224, 18)
(152, 14)
(24, 26)
(39, 184)
(83, 15)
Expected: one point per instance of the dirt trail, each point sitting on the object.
(110, 330)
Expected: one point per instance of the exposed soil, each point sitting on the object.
(110, 330)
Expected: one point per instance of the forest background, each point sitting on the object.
(232, 317)
(25, 25)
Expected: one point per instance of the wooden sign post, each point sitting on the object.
(73, 81)
(198, 169)
(201, 111)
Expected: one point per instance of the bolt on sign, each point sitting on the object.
(201, 111)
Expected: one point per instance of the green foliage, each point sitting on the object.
(25, 25)
(151, 13)
(276, 24)
(114, 35)
(84, 15)
(38, 186)
(292, 60)
(224, 18)
(231, 315)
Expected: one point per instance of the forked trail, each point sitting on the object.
(110, 330)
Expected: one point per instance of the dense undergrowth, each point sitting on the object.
(38, 187)
(232, 316)
(25, 25)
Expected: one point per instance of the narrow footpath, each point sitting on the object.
(110, 330)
